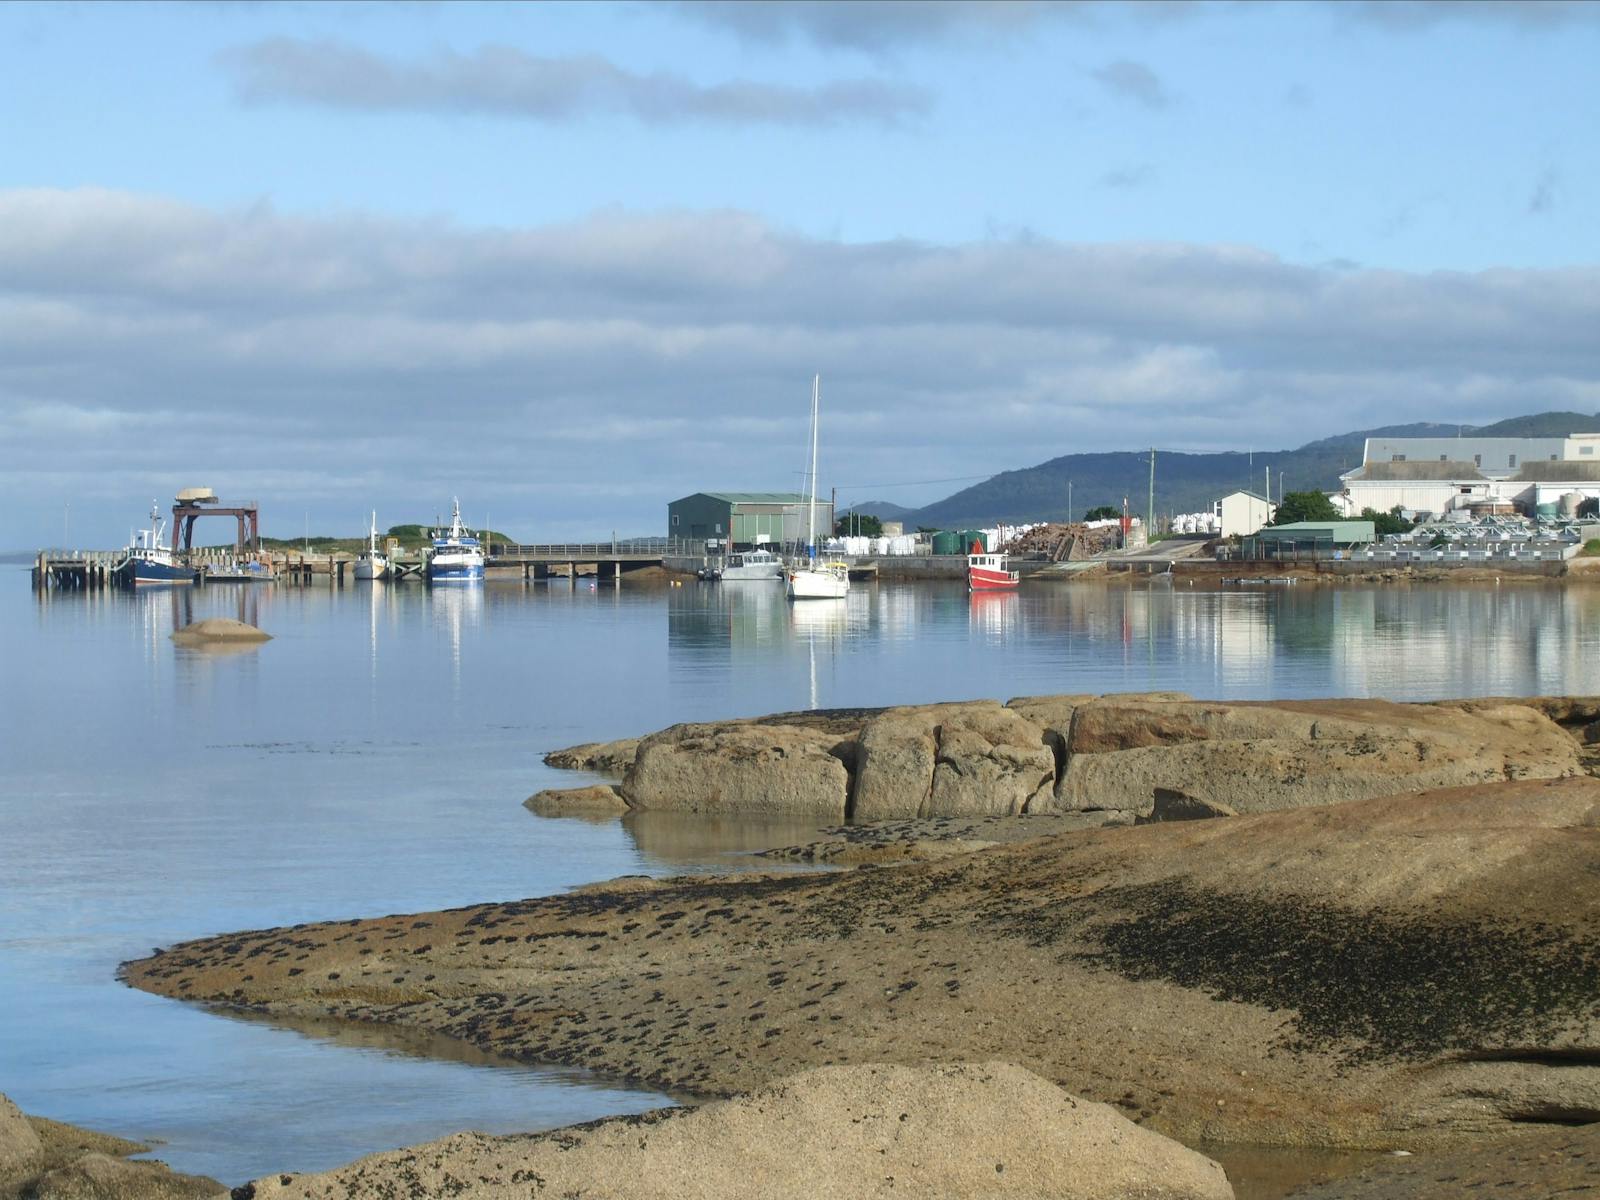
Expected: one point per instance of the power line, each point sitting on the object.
(917, 482)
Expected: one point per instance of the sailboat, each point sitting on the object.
(830, 580)
(372, 564)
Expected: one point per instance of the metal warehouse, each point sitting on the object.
(746, 518)
(1308, 539)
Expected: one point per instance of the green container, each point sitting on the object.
(968, 536)
(1549, 511)
(947, 541)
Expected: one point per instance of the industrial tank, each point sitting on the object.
(948, 541)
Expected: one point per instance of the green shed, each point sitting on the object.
(1308, 539)
(746, 518)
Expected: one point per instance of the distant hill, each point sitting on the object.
(1190, 482)
(1551, 424)
(881, 509)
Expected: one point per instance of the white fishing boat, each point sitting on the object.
(457, 555)
(372, 564)
(814, 580)
(752, 564)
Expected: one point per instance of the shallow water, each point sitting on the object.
(373, 757)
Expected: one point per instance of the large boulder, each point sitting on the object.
(602, 799)
(976, 759)
(739, 769)
(895, 759)
(991, 762)
(607, 758)
(19, 1143)
(1260, 758)
(1273, 773)
(222, 630)
(945, 1132)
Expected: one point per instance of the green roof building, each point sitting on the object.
(1308, 539)
(746, 518)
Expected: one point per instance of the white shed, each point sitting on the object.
(1239, 514)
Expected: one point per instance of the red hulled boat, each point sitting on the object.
(987, 572)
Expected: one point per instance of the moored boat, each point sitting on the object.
(372, 563)
(148, 561)
(246, 571)
(752, 564)
(988, 572)
(457, 556)
(814, 581)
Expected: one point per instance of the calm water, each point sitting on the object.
(373, 758)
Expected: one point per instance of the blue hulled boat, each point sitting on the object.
(457, 556)
(148, 561)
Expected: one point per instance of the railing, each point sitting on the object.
(667, 547)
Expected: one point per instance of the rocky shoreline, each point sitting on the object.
(1341, 924)
(41, 1159)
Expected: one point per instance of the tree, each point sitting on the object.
(1386, 523)
(1104, 512)
(854, 524)
(1305, 506)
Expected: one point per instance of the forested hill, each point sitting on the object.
(1190, 482)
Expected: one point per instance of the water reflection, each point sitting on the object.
(690, 841)
(1415, 642)
(454, 611)
(993, 615)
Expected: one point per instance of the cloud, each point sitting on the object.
(1128, 80)
(1543, 197)
(1531, 15)
(1136, 175)
(572, 378)
(503, 81)
(876, 25)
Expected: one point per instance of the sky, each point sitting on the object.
(570, 262)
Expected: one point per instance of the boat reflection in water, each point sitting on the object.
(995, 614)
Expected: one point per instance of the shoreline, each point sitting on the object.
(1387, 955)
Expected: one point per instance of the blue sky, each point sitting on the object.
(622, 236)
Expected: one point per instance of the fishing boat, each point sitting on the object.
(988, 572)
(752, 564)
(371, 563)
(816, 581)
(149, 562)
(457, 557)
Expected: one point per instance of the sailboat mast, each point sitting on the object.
(811, 508)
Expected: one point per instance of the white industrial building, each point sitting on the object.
(1476, 476)
(1239, 514)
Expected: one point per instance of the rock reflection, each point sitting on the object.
(685, 840)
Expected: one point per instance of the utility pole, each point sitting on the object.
(1150, 508)
(1069, 502)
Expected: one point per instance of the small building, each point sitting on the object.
(1240, 514)
(746, 518)
(1309, 539)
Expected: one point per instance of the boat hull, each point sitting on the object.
(816, 585)
(455, 571)
(370, 569)
(155, 574)
(981, 579)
